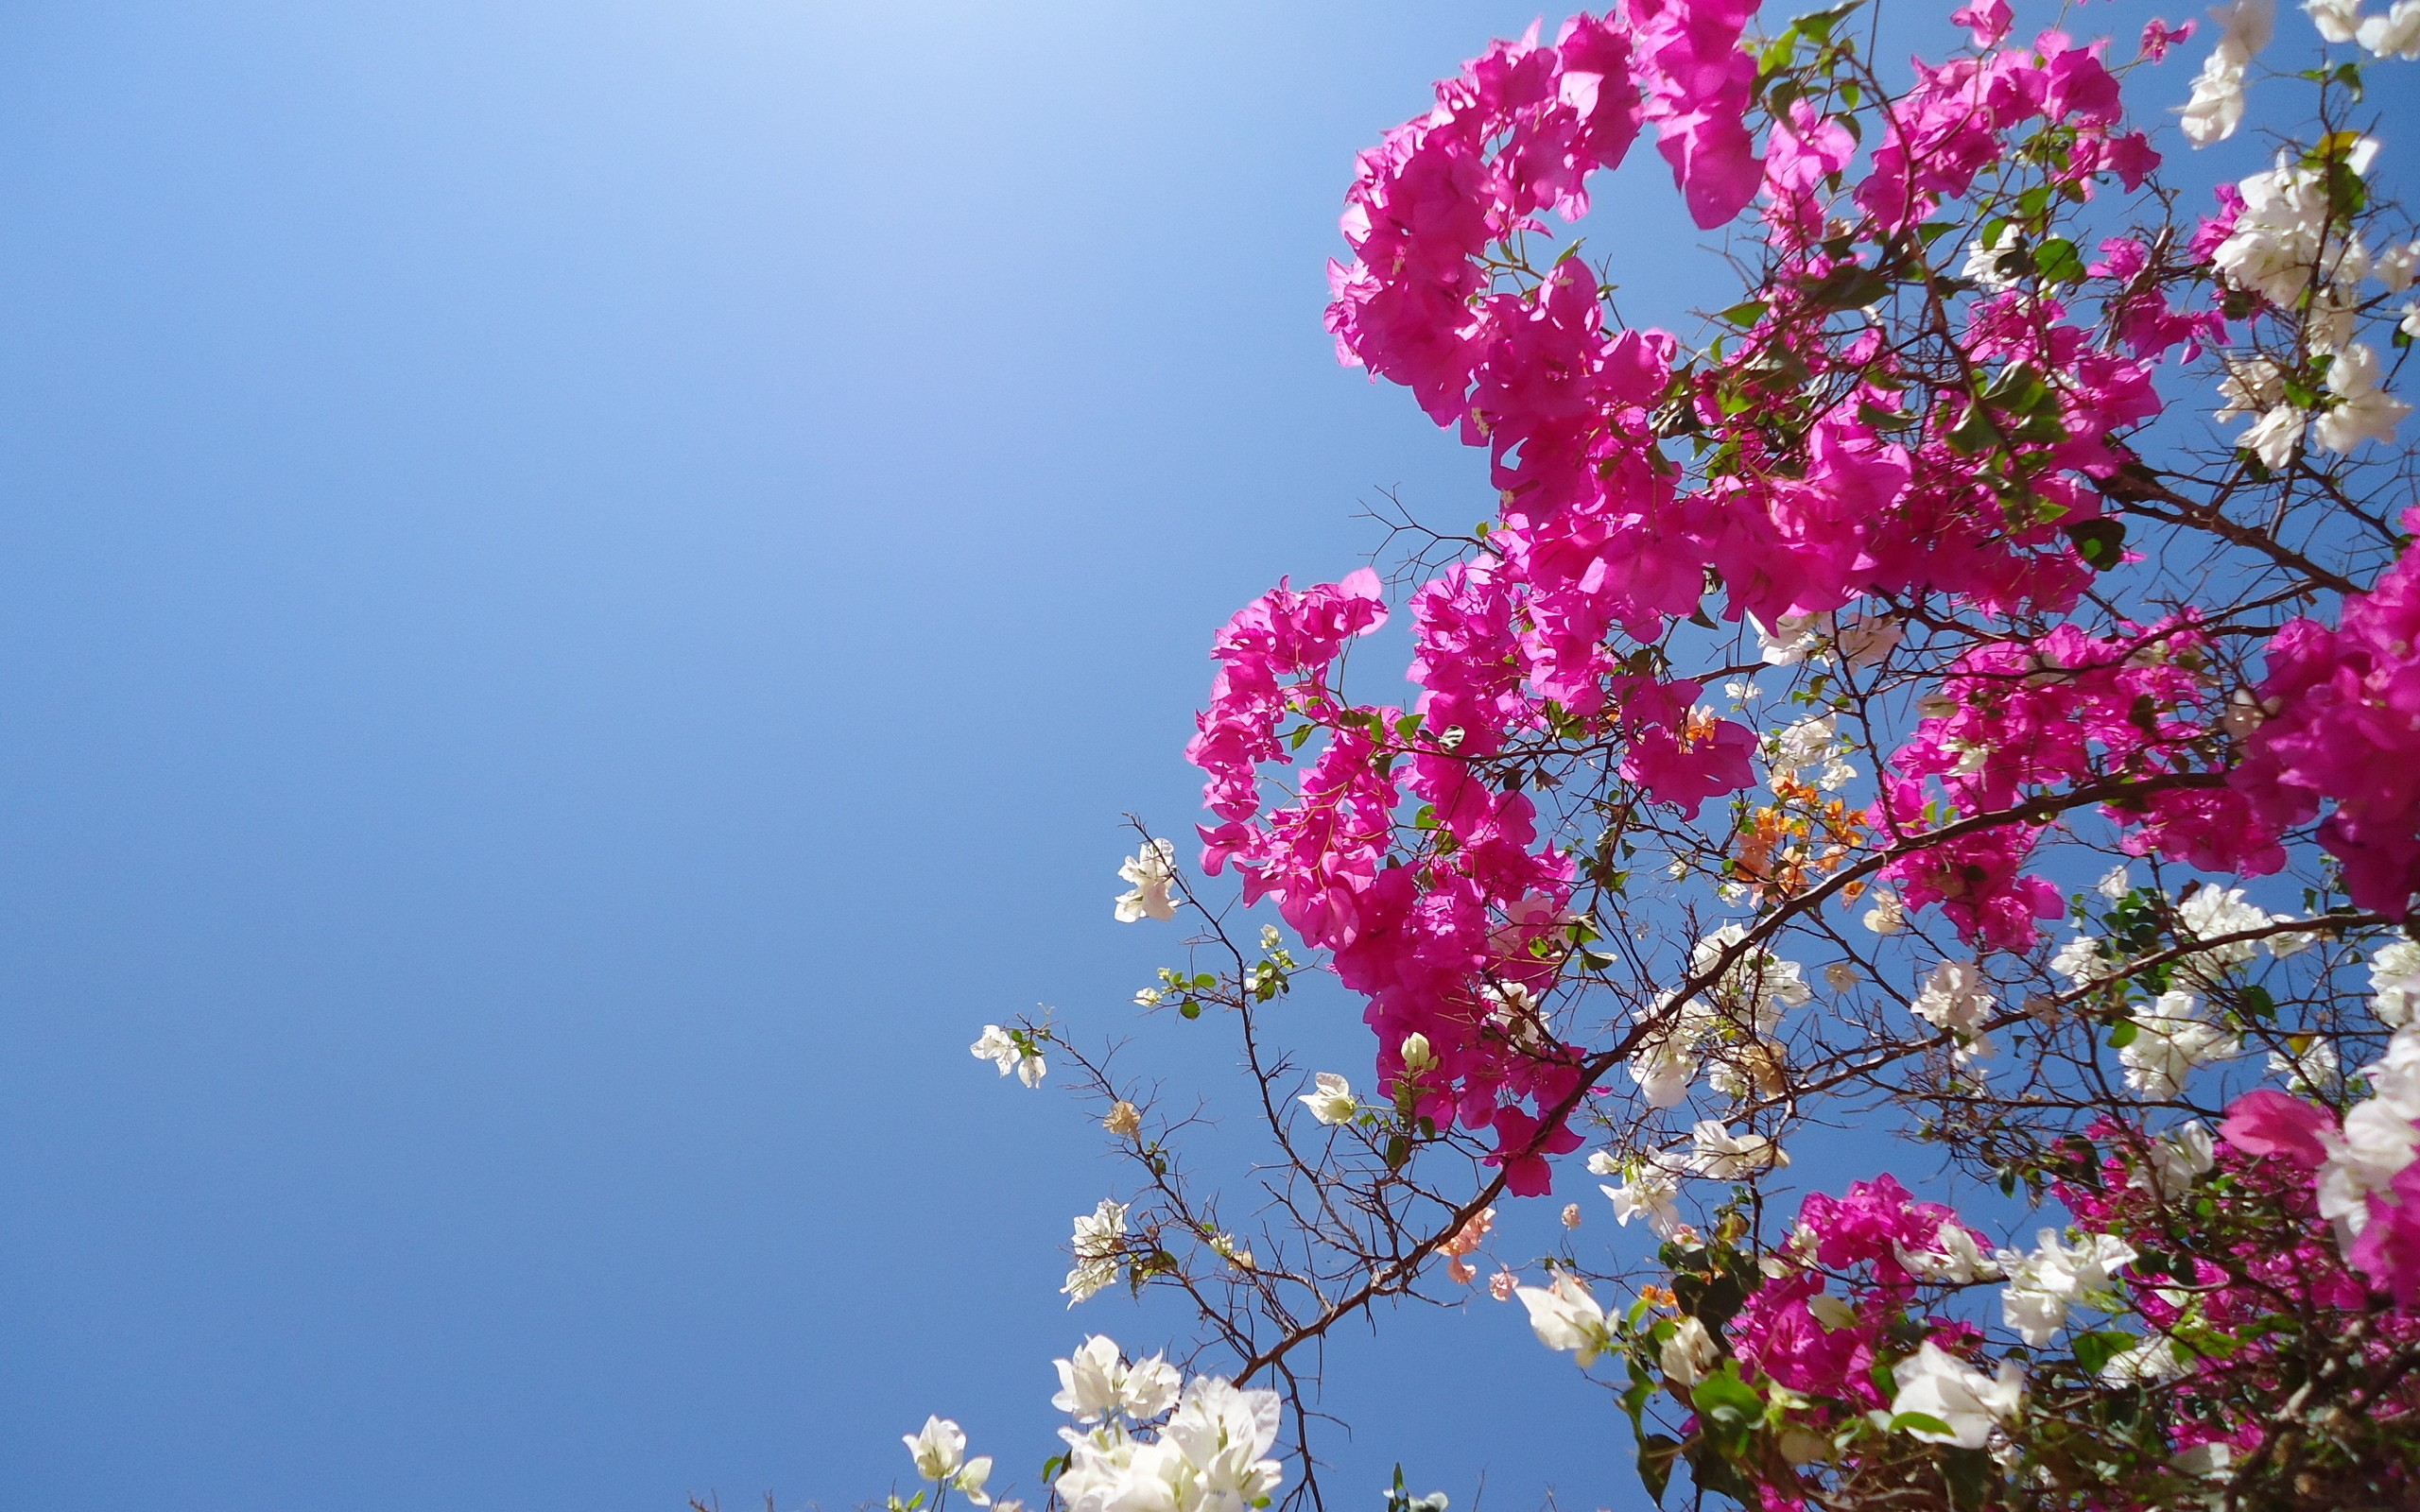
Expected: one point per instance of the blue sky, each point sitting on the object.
(583, 589)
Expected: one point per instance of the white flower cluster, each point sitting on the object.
(1651, 1189)
(2216, 108)
(1815, 741)
(2395, 34)
(1860, 642)
(1153, 871)
(1966, 1404)
(2289, 247)
(1097, 1247)
(2394, 978)
(1957, 998)
(2381, 1136)
(2042, 1285)
(1746, 1001)
(1566, 1318)
(940, 1452)
(1209, 1453)
(2172, 1042)
(1014, 1050)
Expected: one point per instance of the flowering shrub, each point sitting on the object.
(1911, 690)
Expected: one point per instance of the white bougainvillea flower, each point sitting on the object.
(2216, 108)
(1888, 915)
(1688, 1354)
(1330, 1099)
(2336, 19)
(2172, 1042)
(1955, 997)
(2380, 1137)
(2366, 412)
(1953, 1256)
(2395, 981)
(1565, 1317)
(2044, 1286)
(1096, 1383)
(1096, 1245)
(1936, 1384)
(1001, 1048)
(1153, 871)
(940, 1452)
(2394, 34)
(1728, 1156)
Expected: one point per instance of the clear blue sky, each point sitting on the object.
(583, 588)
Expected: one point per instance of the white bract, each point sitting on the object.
(2378, 1139)
(1096, 1383)
(940, 1452)
(1001, 1048)
(1331, 1099)
(1565, 1317)
(2171, 1161)
(1095, 1246)
(2364, 411)
(1728, 1156)
(1814, 742)
(2395, 34)
(2395, 983)
(1955, 997)
(1935, 1384)
(1651, 1190)
(1953, 1256)
(2042, 1285)
(2284, 234)
(2172, 1042)
(2308, 1066)
(2080, 962)
(2216, 108)
(1212, 1455)
(2336, 19)
(1153, 871)
(1688, 1354)
(1888, 915)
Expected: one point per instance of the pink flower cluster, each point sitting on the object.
(1439, 944)
(1830, 469)
(2298, 1137)
(2346, 728)
(2052, 712)
(1868, 1240)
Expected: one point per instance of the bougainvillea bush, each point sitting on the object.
(1969, 686)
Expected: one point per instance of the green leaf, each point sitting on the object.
(2058, 261)
(1849, 286)
(1974, 432)
(1727, 1399)
(2101, 543)
(1747, 313)
(1657, 1453)
(1969, 1472)
(2096, 1349)
(2122, 1034)
(1902, 1422)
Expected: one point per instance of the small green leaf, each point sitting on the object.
(2102, 542)
(1657, 1453)
(1726, 1399)
(2058, 261)
(2122, 1034)
(2096, 1349)
(1903, 1422)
